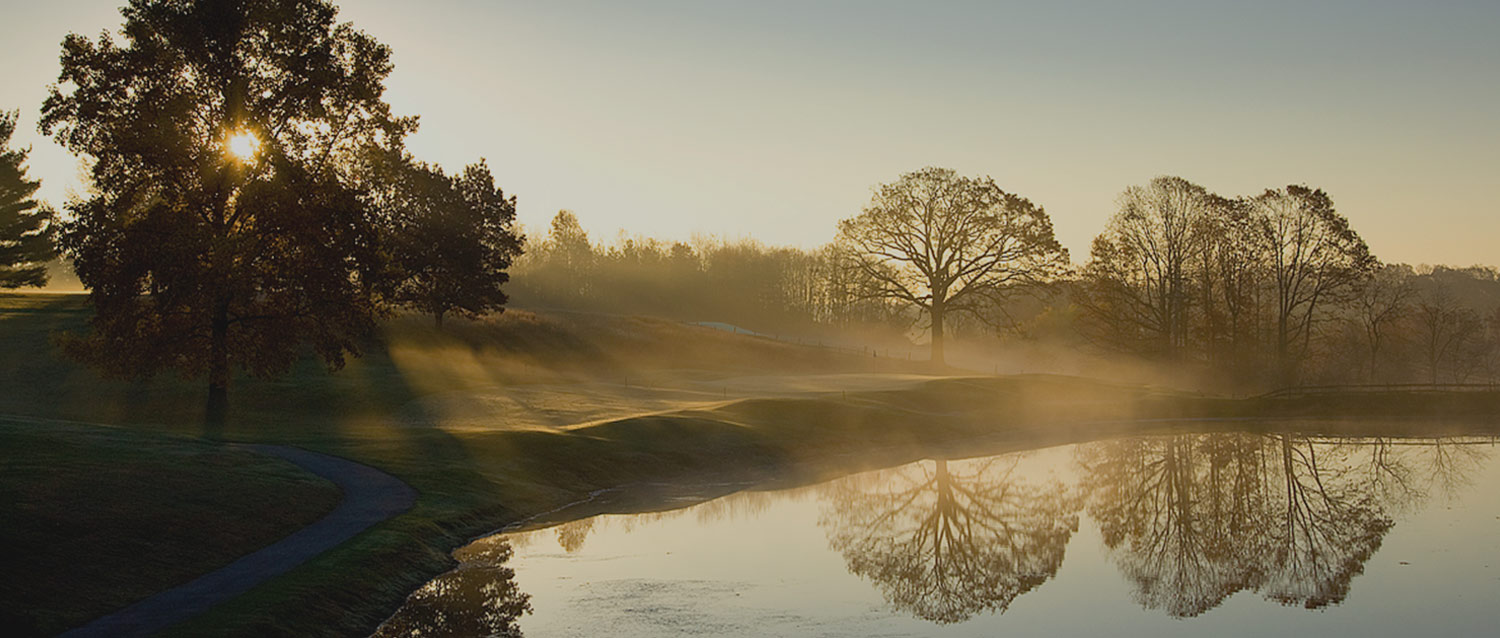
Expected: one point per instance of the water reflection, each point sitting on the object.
(1192, 519)
(1450, 463)
(942, 543)
(570, 536)
(1189, 520)
(479, 598)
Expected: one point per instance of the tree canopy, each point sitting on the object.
(25, 229)
(1314, 258)
(945, 244)
(1143, 261)
(1246, 282)
(453, 238)
(226, 223)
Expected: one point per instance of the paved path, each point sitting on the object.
(370, 496)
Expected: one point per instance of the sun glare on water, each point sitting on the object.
(243, 145)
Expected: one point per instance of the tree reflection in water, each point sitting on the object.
(570, 535)
(1192, 519)
(1178, 514)
(1450, 463)
(1189, 520)
(946, 542)
(479, 598)
(1322, 528)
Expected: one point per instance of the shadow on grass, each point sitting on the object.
(368, 412)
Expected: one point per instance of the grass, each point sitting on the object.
(498, 420)
(98, 518)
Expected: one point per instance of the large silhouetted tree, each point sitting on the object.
(454, 238)
(1314, 259)
(226, 226)
(25, 237)
(1145, 268)
(1242, 283)
(944, 244)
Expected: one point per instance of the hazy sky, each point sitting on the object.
(774, 119)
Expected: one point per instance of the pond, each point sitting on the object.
(1186, 534)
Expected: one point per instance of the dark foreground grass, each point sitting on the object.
(97, 518)
(474, 480)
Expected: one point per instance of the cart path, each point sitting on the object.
(369, 497)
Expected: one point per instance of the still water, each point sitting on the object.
(1191, 534)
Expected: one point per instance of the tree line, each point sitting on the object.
(770, 289)
(1267, 290)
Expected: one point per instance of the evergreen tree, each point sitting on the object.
(25, 228)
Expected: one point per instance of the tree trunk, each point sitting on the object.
(217, 410)
(437, 319)
(1284, 372)
(937, 334)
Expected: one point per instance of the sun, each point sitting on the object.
(243, 145)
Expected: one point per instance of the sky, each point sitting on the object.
(774, 119)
